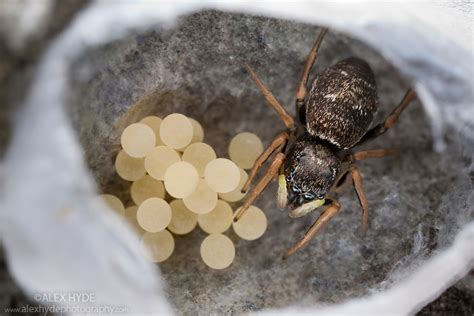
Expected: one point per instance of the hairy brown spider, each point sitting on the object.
(315, 157)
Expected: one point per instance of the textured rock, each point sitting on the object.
(196, 69)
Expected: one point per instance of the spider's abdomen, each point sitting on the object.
(342, 103)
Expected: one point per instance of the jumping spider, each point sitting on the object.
(313, 158)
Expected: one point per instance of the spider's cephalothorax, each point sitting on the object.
(313, 155)
(310, 171)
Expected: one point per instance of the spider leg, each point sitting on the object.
(285, 117)
(357, 181)
(262, 184)
(301, 89)
(376, 153)
(391, 119)
(277, 144)
(329, 212)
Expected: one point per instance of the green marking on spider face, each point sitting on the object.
(281, 180)
(318, 203)
(306, 208)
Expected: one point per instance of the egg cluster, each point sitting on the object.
(179, 183)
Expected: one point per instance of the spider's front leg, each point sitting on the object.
(329, 212)
(271, 172)
(277, 145)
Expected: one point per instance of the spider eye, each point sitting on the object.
(309, 196)
(295, 189)
(298, 157)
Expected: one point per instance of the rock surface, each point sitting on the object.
(196, 69)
